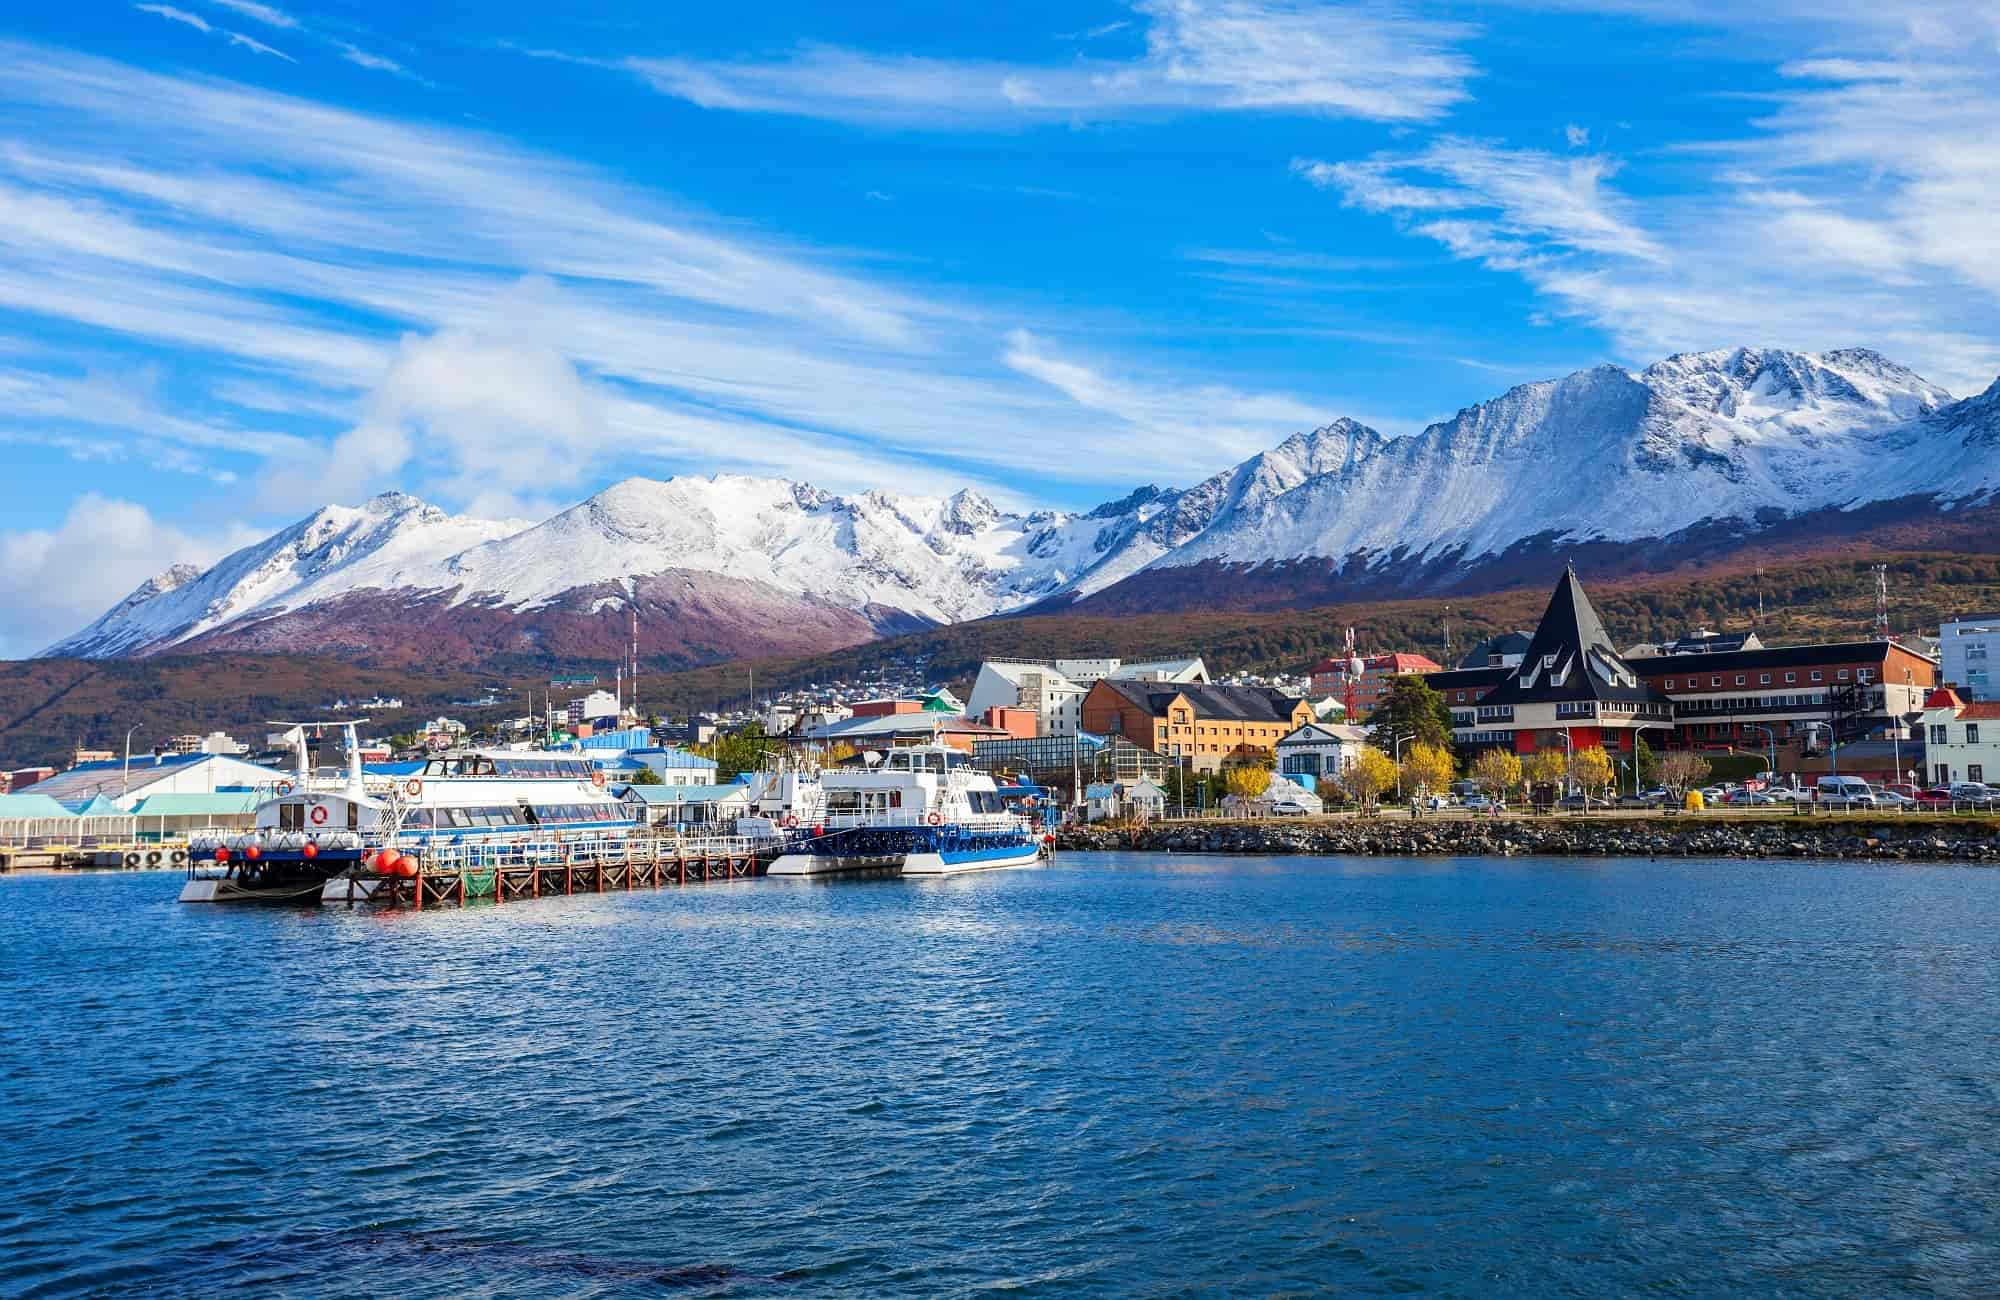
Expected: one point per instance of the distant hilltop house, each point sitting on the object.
(1204, 725)
(1378, 673)
(1502, 650)
(1699, 642)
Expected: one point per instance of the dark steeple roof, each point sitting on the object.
(1571, 658)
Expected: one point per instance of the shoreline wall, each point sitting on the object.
(1969, 840)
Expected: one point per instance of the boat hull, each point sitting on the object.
(954, 863)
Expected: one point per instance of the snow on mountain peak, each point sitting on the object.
(1603, 453)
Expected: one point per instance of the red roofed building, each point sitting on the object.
(1329, 677)
(1961, 738)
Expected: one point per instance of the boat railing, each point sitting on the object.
(478, 852)
(871, 821)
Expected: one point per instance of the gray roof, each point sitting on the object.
(1225, 703)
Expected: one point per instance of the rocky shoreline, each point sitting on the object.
(1928, 840)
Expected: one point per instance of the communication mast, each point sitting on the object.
(1881, 602)
(1351, 699)
(632, 666)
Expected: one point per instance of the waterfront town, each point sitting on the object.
(1558, 714)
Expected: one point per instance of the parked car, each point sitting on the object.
(1888, 798)
(1937, 796)
(1290, 810)
(1741, 798)
(1477, 803)
(1637, 801)
(1902, 788)
(1786, 794)
(1972, 792)
(1658, 794)
(1581, 803)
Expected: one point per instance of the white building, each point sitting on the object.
(1320, 750)
(1969, 650)
(591, 707)
(1050, 694)
(1143, 799)
(1961, 738)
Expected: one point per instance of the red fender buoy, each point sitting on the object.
(310, 851)
(222, 855)
(251, 853)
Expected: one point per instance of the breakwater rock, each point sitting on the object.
(1927, 840)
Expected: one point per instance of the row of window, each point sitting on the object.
(1974, 772)
(516, 815)
(1940, 735)
(1764, 679)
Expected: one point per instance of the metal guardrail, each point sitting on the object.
(83, 832)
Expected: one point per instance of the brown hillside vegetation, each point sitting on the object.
(47, 707)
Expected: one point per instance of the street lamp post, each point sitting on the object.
(125, 784)
(1400, 742)
(1772, 736)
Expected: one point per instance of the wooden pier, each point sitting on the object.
(520, 872)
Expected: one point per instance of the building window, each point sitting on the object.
(1937, 736)
(1790, 678)
(1817, 675)
(1763, 679)
(1843, 674)
(1864, 674)
(1715, 681)
(1972, 736)
(1670, 683)
(1975, 772)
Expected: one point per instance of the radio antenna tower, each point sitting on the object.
(1881, 602)
(1760, 595)
(633, 665)
(1448, 660)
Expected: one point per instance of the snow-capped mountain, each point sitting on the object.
(1698, 452)
(726, 560)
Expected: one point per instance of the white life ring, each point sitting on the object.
(935, 818)
(284, 788)
(414, 787)
(597, 779)
(318, 814)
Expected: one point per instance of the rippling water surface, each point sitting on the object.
(1117, 1075)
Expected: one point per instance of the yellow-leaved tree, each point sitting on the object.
(1426, 768)
(1246, 782)
(1371, 772)
(1544, 767)
(1591, 768)
(1497, 771)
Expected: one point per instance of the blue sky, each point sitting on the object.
(257, 256)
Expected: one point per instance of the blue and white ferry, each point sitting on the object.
(923, 810)
(312, 832)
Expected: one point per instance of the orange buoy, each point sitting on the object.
(251, 852)
(222, 855)
(406, 866)
(310, 851)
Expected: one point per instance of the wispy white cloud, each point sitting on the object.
(174, 15)
(256, 46)
(361, 58)
(277, 245)
(55, 580)
(1370, 61)
(256, 12)
(1185, 428)
(1861, 209)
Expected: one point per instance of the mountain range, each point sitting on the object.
(1697, 457)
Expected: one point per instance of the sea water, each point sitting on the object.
(1116, 1075)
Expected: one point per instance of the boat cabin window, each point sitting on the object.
(291, 816)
